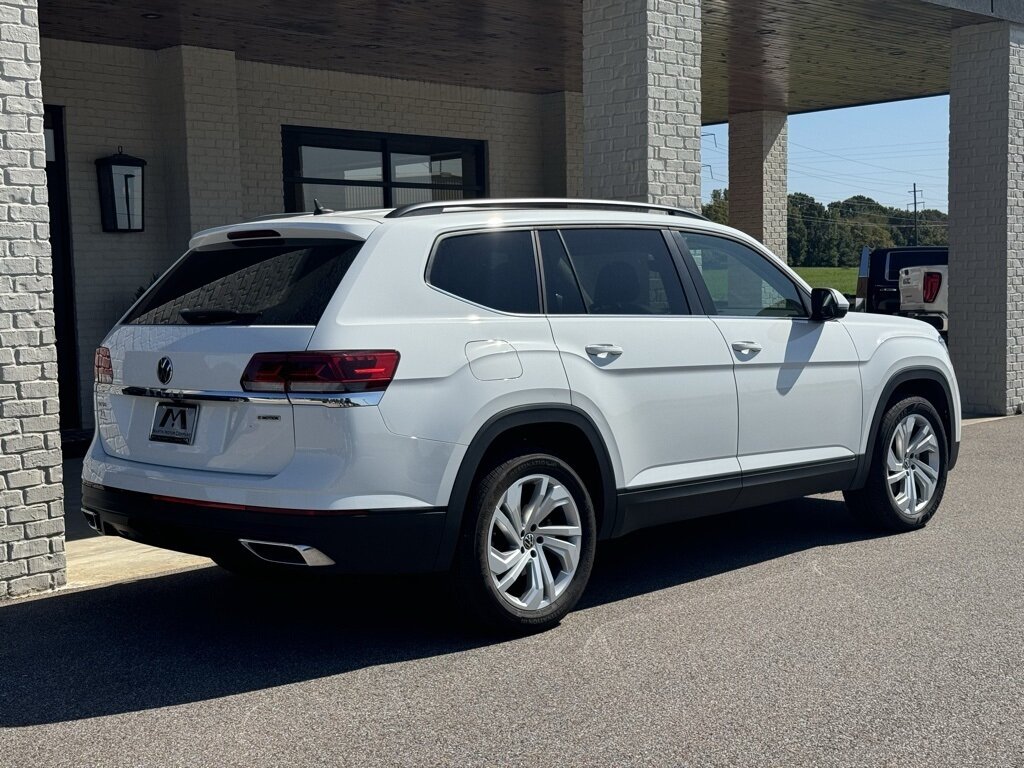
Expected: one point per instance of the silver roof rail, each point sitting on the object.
(527, 203)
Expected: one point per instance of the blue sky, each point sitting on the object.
(878, 151)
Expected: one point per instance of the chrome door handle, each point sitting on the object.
(746, 346)
(602, 350)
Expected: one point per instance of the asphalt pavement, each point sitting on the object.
(781, 636)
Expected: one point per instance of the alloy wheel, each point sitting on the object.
(534, 542)
(912, 465)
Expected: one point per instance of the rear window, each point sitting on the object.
(281, 284)
(899, 259)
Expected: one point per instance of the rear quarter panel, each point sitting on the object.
(436, 395)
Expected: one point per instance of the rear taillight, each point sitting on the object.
(932, 283)
(103, 371)
(320, 372)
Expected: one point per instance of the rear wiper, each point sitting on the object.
(217, 316)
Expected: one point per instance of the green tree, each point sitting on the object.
(718, 209)
(833, 235)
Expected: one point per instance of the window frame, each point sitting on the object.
(706, 302)
(682, 274)
(294, 138)
(489, 231)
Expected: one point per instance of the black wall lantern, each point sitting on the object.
(121, 198)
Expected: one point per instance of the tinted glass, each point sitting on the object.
(340, 197)
(494, 269)
(442, 169)
(740, 280)
(341, 164)
(625, 272)
(406, 195)
(900, 259)
(561, 290)
(266, 285)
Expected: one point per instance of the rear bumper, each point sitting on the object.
(375, 541)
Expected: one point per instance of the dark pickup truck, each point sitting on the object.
(878, 281)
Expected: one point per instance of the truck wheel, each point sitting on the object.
(527, 545)
(907, 476)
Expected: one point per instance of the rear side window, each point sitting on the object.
(494, 269)
(235, 285)
(625, 272)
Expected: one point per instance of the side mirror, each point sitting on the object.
(828, 304)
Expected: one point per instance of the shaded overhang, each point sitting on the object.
(786, 55)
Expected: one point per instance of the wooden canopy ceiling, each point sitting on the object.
(793, 55)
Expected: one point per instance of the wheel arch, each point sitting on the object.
(558, 428)
(929, 383)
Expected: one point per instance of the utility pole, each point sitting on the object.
(914, 192)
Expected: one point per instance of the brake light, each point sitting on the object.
(932, 283)
(103, 371)
(320, 372)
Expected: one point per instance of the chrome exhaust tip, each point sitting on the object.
(286, 554)
(92, 519)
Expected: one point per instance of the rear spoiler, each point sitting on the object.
(334, 228)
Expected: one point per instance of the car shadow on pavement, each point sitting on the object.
(204, 634)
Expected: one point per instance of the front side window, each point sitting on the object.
(624, 272)
(492, 269)
(346, 170)
(740, 280)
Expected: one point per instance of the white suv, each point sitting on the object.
(494, 386)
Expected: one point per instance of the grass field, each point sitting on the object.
(843, 278)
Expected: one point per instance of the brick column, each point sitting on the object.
(641, 100)
(31, 494)
(200, 125)
(562, 138)
(757, 177)
(986, 216)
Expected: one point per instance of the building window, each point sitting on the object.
(357, 169)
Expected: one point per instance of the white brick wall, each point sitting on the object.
(209, 127)
(641, 100)
(270, 96)
(757, 177)
(986, 216)
(31, 494)
(201, 112)
(111, 96)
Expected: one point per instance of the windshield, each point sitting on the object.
(280, 284)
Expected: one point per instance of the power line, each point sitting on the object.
(845, 223)
(852, 160)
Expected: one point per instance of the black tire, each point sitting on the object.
(479, 594)
(874, 504)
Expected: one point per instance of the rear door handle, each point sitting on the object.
(604, 350)
(746, 346)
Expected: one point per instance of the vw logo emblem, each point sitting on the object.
(164, 370)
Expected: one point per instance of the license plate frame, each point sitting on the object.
(166, 419)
